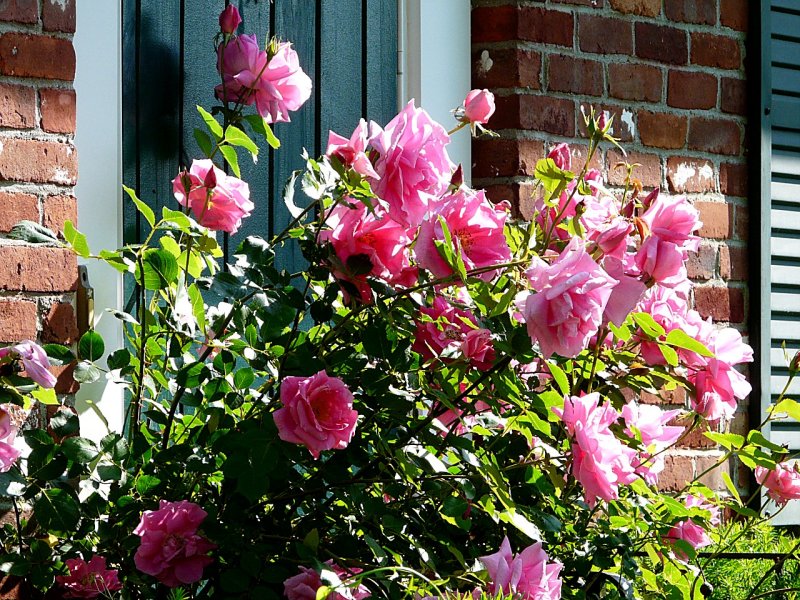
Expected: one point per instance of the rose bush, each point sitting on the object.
(445, 403)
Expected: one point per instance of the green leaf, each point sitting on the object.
(756, 437)
(288, 195)
(260, 126)
(648, 324)
(160, 269)
(86, 372)
(12, 484)
(64, 422)
(45, 396)
(451, 252)
(146, 484)
(118, 359)
(669, 355)
(58, 354)
(726, 440)
(109, 472)
(145, 210)
(56, 511)
(79, 450)
(731, 488)
(213, 125)
(177, 217)
(91, 346)
(33, 233)
(560, 377)
(680, 339)
(237, 137)
(204, 142)
(788, 406)
(243, 378)
(553, 179)
(76, 239)
(231, 158)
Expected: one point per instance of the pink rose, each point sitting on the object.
(567, 309)
(528, 575)
(277, 85)
(561, 156)
(478, 106)
(34, 360)
(353, 152)
(717, 387)
(218, 201)
(662, 261)
(8, 453)
(782, 483)
(88, 580)
(650, 422)
(317, 413)
(305, 584)
(229, 19)
(171, 549)
(673, 219)
(367, 243)
(477, 230)
(690, 531)
(413, 164)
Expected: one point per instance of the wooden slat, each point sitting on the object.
(785, 275)
(777, 358)
(788, 6)
(777, 383)
(786, 192)
(785, 302)
(130, 130)
(785, 25)
(784, 52)
(784, 246)
(785, 165)
(787, 140)
(381, 60)
(785, 329)
(785, 220)
(785, 80)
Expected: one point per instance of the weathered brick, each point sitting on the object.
(716, 218)
(19, 11)
(17, 207)
(703, 263)
(696, 437)
(720, 51)
(644, 8)
(622, 127)
(689, 175)
(742, 223)
(678, 471)
(713, 478)
(65, 382)
(661, 43)
(592, 3)
(605, 35)
(635, 82)
(546, 26)
(494, 23)
(662, 130)
(733, 179)
(59, 325)
(58, 110)
(733, 96)
(691, 90)
(648, 171)
(575, 75)
(733, 263)
(552, 115)
(506, 68)
(24, 55)
(17, 321)
(37, 269)
(38, 161)
(497, 157)
(17, 106)
(57, 210)
(58, 15)
(719, 303)
(692, 11)
(733, 14)
(717, 136)
(676, 397)
(519, 195)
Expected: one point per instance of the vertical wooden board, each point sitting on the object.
(255, 20)
(381, 60)
(130, 151)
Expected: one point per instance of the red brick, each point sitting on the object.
(543, 113)
(663, 44)
(696, 437)
(496, 157)
(644, 8)
(635, 82)
(713, 478)
(733, 179)
(20, 11)
(58, 209)
(592, 3)
(692, 11)
(733, 14)
(65, 382)
(58, 15)
(59, 325)
(519, 195)
(17, 207)
(733, 96)
(620, 126)
(37, 269)
(718, 51)
(546, 26)
(691, 90)
(37, 161)
(495, 24)
(733, 263)
(58, 110)
(662, 130)
(23, 55)
(17, 321)
(716, 218)
(605, 35)
(575, 75)
(717, 136)
(719, 303)
(17, 106)
(675, 397)
(506, 68)
(689, 175)
(648, 171)
(742, 223)
(678, 471)
(578, 153)
(703, 263)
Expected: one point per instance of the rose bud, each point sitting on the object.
(229, 19)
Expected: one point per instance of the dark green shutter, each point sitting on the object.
(347, 47)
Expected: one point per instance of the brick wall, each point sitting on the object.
(672, 72)
(38, 170)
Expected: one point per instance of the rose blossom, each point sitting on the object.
(413, 164)
(171, 549)
(277, 85)
(476, 230)
(690, 531)
(8, 453)
(717, 387)
(229, 19)
(317, 413)
(353, 152)
(567, 309)
(528, 575)
(305, 584)
(561, 156)
(217, 200)
(34, 360)
(88, 580)
(782, 483)
(650, 422)
(478, 106)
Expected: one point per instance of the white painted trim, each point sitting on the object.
(98, 85)
(435, 56)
